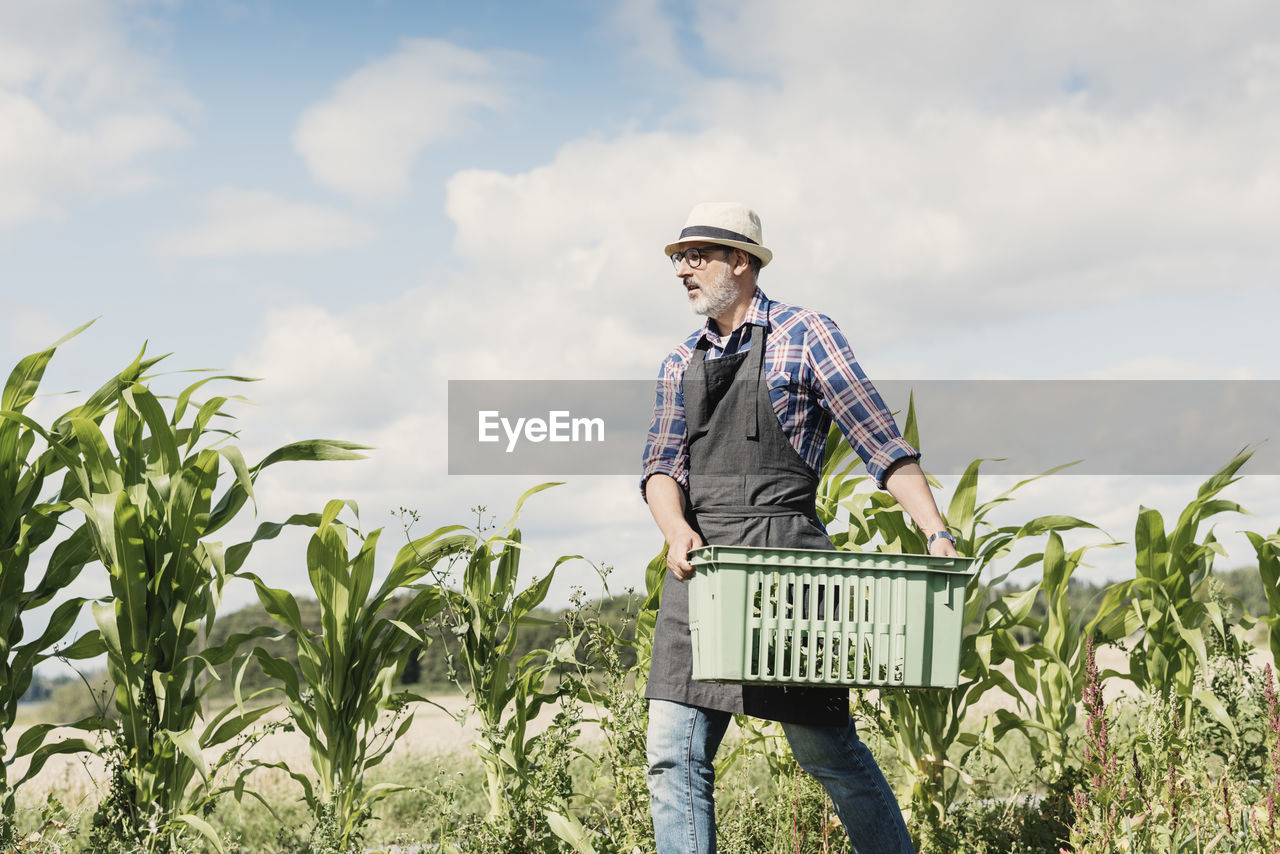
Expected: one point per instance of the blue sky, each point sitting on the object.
(360, 201)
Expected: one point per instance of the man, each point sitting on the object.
(740, 422)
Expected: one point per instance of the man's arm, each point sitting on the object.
(906, 483)
(666, 503)
(869, 427)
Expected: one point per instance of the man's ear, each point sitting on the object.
(741, 262)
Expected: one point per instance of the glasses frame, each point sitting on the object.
(677, 257)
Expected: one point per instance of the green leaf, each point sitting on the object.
(237, 554)
(515, 515)
(408, 630)
(58, 748)
(232, 726)
(107, 395)
(533, 595)
(313, 449)
(960, 515)
(161, 433)
(566, 826)
(911, 430)
(378, 791)
(202, 827)
(88, 645)
(241, 469)
(1149, 540)
(20, 389)
(504, 578)
(279, 604)
(99, 462)
(188, 741)
(129, 573)
(1214, 707)
(180, 405)
(60, 622)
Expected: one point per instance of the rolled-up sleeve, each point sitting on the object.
(853, 401)
(665, 450)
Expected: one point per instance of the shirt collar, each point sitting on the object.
(757, 315)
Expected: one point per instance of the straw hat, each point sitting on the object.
(726, 223)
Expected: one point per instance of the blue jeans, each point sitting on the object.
(682, 746)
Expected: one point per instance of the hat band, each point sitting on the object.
(715, 233)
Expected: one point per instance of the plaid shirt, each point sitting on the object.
(812, 376)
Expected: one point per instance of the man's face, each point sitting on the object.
(712, 288)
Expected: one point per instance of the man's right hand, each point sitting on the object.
(666, 503)
(678, 547)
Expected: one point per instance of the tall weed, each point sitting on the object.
(1155, 785)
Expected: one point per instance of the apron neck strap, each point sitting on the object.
(755, 367)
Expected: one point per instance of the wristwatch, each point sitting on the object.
(940, 535)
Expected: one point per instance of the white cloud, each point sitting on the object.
(79, 108)
(649, 34)
(364, 138)
(234, 221)
(924, 158)
(886, 61)
(973, 215)
(1167, 368)
(922, 176)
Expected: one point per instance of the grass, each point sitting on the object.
(451, 794)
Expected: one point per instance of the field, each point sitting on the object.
(1143, 718)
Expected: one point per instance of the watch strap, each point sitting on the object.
(940, 535)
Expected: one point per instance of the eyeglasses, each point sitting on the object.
(695, 255)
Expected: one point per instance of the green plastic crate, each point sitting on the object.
(808, 617)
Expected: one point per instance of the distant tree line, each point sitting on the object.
(1243, 584)
(428, 668)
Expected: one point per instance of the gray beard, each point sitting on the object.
(715, 298)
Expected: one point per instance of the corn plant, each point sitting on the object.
(1268, 551)
(1165, 604)
(351, 667)
(149, 506)
(1051, 670)
(28, 523)
(483, 620)
(923, 725)
(655, 575)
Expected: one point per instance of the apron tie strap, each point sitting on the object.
(742, 511)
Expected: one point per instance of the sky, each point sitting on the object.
(358, 202)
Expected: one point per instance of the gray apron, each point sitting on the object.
(747, 487)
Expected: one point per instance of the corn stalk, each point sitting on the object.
(1051, 670)
(924, 724)
(482, 624)
(1164, 604)
(149, 505)
(27, 524)
(1268, 552)
(351, 666)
